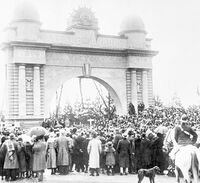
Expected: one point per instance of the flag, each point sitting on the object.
(198, 92)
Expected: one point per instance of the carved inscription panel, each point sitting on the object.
(29, 56)
(139, 62)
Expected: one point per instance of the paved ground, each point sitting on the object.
(85, 178)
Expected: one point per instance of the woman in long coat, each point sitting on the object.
(110, 157)
(29, 159)
(39, 157)
(11, 164)
(2, 157)
(62, 145)
(157, 152)
(145, 152)
(94, 151)
(22, 158)
(51, 154)
(124, 151)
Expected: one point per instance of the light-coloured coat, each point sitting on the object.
(94, 150)
(62, 144)
(110, 156)
(51, 154)
(8, 163)
(39, 156)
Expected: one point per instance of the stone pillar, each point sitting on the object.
(128, 86)
(145, 88)
(134, 89)
(22, 91)
(36, 90)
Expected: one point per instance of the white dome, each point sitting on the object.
(132, 23)
(26, 12)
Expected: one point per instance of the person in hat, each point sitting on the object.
(117, 136)
(157, 158)
(94, 151)
(110, 157)
(184, 135)
(63, 148)
(11, 164)
(21, 158)
(78, 152)
(51, 153)
(39, 157)
(2, 157)
(124, 151)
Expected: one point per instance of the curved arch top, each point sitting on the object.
(112, 92)
(53, 83)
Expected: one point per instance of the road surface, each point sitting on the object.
(75, 177)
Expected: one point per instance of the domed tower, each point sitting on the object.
(25, 24)
(133, 28)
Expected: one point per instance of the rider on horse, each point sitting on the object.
(184, 135)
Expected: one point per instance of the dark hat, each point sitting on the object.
(184, 117)
(94, 134)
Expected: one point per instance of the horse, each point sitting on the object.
(186, 159)
(187, 162)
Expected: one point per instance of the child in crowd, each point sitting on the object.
(110, 157)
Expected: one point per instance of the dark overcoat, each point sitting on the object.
(22, 157)
(124, 151)
(146, 153)
(157, 153)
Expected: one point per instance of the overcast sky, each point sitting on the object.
(174, 26)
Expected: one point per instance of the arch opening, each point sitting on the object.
(84, 90)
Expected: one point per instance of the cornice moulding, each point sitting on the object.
(82, 50)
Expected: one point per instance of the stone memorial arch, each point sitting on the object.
(39, 61)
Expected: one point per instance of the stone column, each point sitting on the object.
(36, 90)
(145, 88)
(128, 86)
(134, 89)
(22, 91)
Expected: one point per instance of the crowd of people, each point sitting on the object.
(122, 145)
